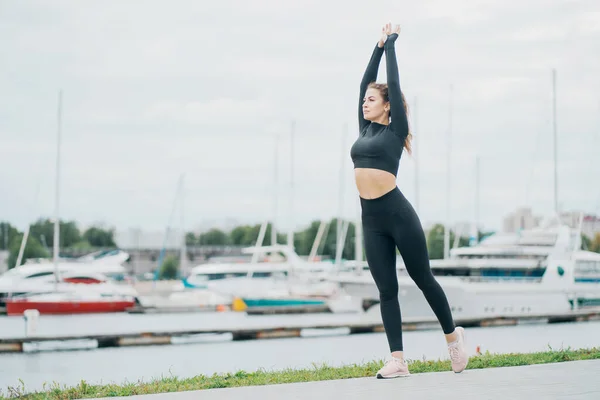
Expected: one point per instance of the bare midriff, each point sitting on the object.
(373, 183)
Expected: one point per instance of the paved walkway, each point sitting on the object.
(575, 380)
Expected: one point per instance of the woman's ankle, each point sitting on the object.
(451, 337)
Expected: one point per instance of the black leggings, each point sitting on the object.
(390, 221)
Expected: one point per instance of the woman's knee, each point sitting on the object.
(388, 291)
(424, 279)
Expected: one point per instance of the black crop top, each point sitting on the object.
(380, 146)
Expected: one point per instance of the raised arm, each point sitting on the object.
(369, 76)
(398, 113)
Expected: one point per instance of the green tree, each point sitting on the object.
(251, 235)
(169, 268)
(303, 240)
(247, 235)
(7, 233)
(483, 235)
(213, 237)
(244, 235)
(191, 239)
(435, 241)
(281, 236)
(586, 242)
(98, 237)
(595, 243)
(328, 242)
(43, 229)
(349, 244)
(237, 234)
(328, 246)
(33, 249)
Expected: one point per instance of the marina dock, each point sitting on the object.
(573, 380)
(259, 310)
(267, 328)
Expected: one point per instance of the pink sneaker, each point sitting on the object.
(394, 368)
(458, 351)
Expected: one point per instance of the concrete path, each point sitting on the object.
(575, 380)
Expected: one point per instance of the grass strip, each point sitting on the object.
(262, 377)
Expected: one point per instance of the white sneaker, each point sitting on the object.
(458, 351)
(394, 368)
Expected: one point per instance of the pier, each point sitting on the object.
(266, 329)
(255, 310)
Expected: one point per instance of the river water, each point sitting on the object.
(208, 354)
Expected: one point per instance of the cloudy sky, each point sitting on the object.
(154, 89)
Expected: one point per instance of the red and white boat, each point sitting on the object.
(76, 292)
(41, 278)
(74, 302)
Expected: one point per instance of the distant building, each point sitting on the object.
(590, 225)
(145, 246)
(136, 238)
(521, 218)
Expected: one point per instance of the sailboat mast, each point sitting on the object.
(339, 248)
(56, 239)
(555, 141)
(474, 235)
(477, 192)
(448, 175)
(290, 236)
(275, 181)
(183, 251)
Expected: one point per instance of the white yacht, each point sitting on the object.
(32, 278)
(276, 276)
(541, 272)
(113, 256)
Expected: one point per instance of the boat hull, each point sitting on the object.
(282, 302)
(75, 307)
(482, 300)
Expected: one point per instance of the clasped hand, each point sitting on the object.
(386, 31)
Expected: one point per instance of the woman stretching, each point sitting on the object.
(388, 219)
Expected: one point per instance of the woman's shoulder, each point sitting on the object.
(398, 129)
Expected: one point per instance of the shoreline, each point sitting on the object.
(263, 377)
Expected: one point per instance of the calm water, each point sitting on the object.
(217, 354)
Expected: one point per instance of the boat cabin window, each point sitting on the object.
(223, 275)
(587, 267)
(39, 274)
(117, 276)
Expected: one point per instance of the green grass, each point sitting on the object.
(317, 373)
